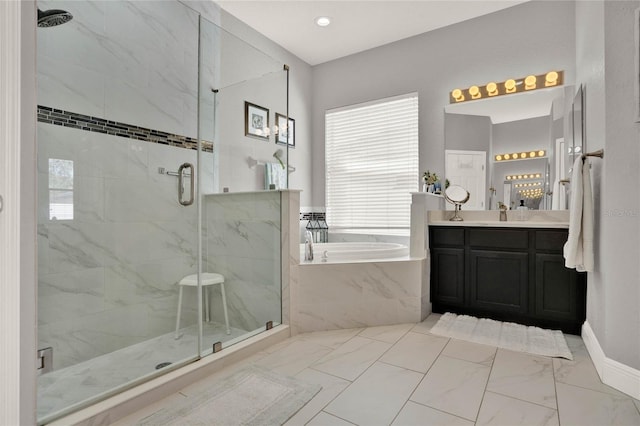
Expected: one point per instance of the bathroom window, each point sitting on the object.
(372, 163)
(60, 189)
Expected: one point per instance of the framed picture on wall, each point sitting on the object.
(286, 132)
(256, 121)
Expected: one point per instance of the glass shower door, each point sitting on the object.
(243, 91)
(117, 122)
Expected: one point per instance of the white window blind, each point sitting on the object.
(372, 163)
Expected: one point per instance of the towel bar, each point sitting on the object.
(599, 153)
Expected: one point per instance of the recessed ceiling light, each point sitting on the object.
(323, 21)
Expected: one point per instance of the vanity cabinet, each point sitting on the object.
(508, 274)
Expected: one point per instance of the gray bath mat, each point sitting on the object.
(506, 335)
(253, 396)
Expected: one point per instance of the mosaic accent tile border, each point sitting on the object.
(95, 124)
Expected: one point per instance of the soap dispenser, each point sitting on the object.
(522, 211)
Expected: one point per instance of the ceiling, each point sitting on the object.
(356, 25)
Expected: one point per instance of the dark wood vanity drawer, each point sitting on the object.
(499, 238)
(444, 236)
(551, 240)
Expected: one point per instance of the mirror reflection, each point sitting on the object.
(511, 149)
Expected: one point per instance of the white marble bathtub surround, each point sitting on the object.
(348, 295)
(421, 203)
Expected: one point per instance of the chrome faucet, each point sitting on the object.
(308, 246)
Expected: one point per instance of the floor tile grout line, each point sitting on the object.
(331, 414)
(555, 390)
(521, 400)
(440, 410)
(623, 396)
(365, 370)
(384, 341)
(431, 366)
(486, 385)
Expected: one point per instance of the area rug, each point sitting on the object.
(506, 335)
(253, 396)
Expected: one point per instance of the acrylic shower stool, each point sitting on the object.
(208, 278)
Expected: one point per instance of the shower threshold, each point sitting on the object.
(64, 390)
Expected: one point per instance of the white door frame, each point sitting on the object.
(484, 169)
(18, 214)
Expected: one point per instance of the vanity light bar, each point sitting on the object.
(524, 176)
(526, 185)
(520, 155)
(530, 82)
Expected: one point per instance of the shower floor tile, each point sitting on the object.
(90, 379)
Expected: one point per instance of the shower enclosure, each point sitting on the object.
(141, 125)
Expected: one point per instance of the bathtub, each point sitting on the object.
(354, 252)
(359, 285)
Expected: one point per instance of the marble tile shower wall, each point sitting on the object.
(107, 277)
(243, 243)
(132, 62)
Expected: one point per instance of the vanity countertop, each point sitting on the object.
(490, 218)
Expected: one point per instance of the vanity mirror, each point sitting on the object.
(456, 195)
(515, 147)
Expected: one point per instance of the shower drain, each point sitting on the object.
(162, 365)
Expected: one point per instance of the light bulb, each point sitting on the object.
(457, 95)
(323, 21)
(492, 89)
(530, 82)
(474, 91)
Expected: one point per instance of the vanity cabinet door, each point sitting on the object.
(447, 276)
(499, 281)
(559, 291)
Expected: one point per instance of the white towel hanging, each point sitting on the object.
(578, 250)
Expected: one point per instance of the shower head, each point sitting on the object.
(53, 17)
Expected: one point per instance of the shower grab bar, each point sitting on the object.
(181, 187)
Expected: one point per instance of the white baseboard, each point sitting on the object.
(611, 372)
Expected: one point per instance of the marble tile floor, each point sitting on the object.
(403, 375)
(72, 385)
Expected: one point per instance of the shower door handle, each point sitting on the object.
(191, 186)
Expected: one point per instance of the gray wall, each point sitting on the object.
(604, 62)
(533, 37)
